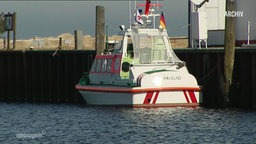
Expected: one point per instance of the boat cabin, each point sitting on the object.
(143, 48)
(140, 48)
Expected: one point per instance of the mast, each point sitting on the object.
(151, 13)
(130, 11)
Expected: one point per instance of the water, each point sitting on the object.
(49, 123)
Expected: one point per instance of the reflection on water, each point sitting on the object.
(33, 123)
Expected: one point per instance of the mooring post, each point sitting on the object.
(60, 43)
(78, 39)
(14, 31)
(100, 29)
(8, 40)
(229, 52)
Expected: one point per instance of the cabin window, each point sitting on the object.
(104, 65)
(143, 50)
(93, 66)
(129, 51)
(159, 50)
(98, 65)
(118, 47)
(152, 49)
(109, 65)
(117, 64)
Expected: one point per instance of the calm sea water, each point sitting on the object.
(49, 123)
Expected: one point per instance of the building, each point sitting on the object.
(208, 17)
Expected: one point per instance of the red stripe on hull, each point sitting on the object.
(155, 98)
(192, 96)
(148, 98)
(134, 89)
(186, 96)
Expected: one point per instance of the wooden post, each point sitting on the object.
(4, 42)
(78, 39)
(60, 43)
(14, 31)
(100, 29)
(229, 52)
(8, 40)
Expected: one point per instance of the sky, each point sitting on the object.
(52, 18)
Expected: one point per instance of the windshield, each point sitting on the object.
(152, 49)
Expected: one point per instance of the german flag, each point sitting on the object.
(162, 21)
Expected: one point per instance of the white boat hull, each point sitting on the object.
(137, 97)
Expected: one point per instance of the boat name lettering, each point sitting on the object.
(172, 77)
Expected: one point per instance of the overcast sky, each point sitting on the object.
(52, 18)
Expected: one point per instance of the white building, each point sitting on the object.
(215, 11)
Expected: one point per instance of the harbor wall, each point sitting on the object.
(42, 76)
(50, 76)
(207, 66)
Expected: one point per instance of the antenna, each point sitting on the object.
(157, 7)
(153, 14)
(130, 11)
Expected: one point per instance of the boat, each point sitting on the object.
(142, 70)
